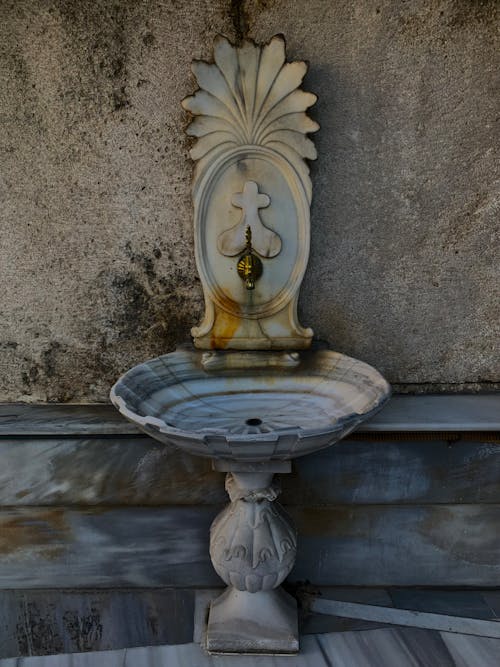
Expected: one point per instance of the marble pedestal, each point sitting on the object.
(262, 622)
(253, 545)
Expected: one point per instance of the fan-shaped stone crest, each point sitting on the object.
(250, 95)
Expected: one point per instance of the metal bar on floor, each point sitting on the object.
(406, 617)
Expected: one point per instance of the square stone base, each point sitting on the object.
(242, 622)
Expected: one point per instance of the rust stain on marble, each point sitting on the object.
(47, 532)
(225, 327)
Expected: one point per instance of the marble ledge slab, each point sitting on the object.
(406, 413)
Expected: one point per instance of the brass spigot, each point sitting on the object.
(249, 265)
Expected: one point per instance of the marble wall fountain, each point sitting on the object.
(251, 394)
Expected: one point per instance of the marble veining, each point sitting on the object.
(285, 412)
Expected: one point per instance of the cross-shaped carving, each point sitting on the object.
(264, 241)
(250, 201)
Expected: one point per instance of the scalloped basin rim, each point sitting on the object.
(250, 414)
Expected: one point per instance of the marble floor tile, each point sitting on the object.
(191, 655)
(472, 651)
(386, 648)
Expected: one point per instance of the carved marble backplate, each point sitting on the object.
(250, 125)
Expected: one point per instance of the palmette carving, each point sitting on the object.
(253, 543)
(251, 96)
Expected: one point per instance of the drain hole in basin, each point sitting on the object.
(254, 421)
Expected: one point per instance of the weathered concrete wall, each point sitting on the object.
(97, 269)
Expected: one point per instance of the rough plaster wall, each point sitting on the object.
(404, 269)
(97, 269)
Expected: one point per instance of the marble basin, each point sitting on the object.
(250, 407)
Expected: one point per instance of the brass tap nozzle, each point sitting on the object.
(249, 265)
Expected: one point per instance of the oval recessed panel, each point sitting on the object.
(284, 215)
